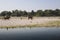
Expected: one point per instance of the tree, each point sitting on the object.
(32, 13)
(9, 13)
(39, 13)
(57, 12)
(3, 13)
(25, 13)
(16, 13)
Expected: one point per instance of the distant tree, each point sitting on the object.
(13, 13)
(25, 13)
(9, 13)
(16, 13)
(32, 13)
(49, 13)
(21, 13)
(39, 13)
(46, 12)
(57, 12)
(3, 13)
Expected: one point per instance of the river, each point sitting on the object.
(37, 33)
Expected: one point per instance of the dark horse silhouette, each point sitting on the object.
(7, 17)
(30, 17)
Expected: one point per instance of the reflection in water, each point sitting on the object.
(30, 34)
(7, 28)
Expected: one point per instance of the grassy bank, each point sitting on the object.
(51, 24)
(47, 24)
(16, 22)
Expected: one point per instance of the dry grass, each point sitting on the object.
(36, 22)
(51, 24)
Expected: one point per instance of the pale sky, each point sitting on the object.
(29, 5)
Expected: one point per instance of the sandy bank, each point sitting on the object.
(18, 22)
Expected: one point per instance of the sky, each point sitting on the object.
(29, 5)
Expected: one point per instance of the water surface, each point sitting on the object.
(37, 33)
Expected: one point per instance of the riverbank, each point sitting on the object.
(36, 22)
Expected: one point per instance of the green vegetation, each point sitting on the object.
(18, 13)
(38, 13)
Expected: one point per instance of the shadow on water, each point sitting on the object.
(37, 33)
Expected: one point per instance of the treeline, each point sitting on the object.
(19, 13)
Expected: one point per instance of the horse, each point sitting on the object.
(7, 17)
(30, 17)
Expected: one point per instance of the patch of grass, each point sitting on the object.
(52, 24)
(48, 24)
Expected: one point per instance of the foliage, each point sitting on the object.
(24, 13)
